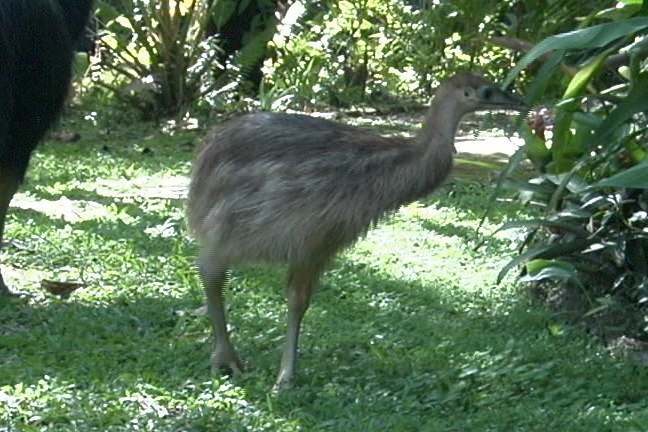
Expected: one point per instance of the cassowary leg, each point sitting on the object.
(301, 285)
(213, 273)
(9, 183)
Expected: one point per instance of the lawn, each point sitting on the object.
(408, 332)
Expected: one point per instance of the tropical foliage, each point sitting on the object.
(593, 171)
(166, 57)
(354, 51)
(155, 55)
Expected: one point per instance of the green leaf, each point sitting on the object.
(587, 119)
(544, 77)
(222, 11)
(596, 36)
(562, 136)
(604, 303)
(584, 76)
(574, 213)
(106, 11)
(535, 146)
(553, 250)
(635, 177)
(529, 186)
(635, 102)
(514, 161)
(541, 269)
(538, 223)
(123, 21)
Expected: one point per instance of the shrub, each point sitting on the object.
(592, 183)
(345, 52)
(154, 55)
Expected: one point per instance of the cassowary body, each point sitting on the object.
(36, 48)
(293, 189)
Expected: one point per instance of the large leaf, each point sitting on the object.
(222, 11)
(635, 177)
(597, 36)
(635, 102)
(541, 269)
(584, 76)
(549, 251)
(562, 138)
(545, 76)
(622, 10)
(537, 223)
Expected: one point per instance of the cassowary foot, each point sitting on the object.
(285, 381)
(225, 359)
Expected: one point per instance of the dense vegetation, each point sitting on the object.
(165, 57)
(592, 238)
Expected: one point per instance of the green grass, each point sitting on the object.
(409, 331)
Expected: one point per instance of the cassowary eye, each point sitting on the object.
(487, 93)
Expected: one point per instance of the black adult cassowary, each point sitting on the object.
(36, 48)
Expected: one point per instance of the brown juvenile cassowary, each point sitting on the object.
(36, 48)
(293, 189)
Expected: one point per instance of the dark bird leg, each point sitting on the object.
(9, 183)
(213, 273)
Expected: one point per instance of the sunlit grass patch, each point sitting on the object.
(408, 331)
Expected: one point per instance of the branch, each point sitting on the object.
(512, 43)
(623, 59)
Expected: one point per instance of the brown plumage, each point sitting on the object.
(293, 189)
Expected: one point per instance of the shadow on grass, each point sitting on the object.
(375, 352)
(104, 222)
(94, 196)
(386, 354)
(473, 238)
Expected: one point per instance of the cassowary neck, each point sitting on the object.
(441, 122)
(436, 138)
(422, 165)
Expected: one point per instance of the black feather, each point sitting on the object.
(37, 40)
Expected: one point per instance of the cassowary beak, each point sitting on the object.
(494, 98)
